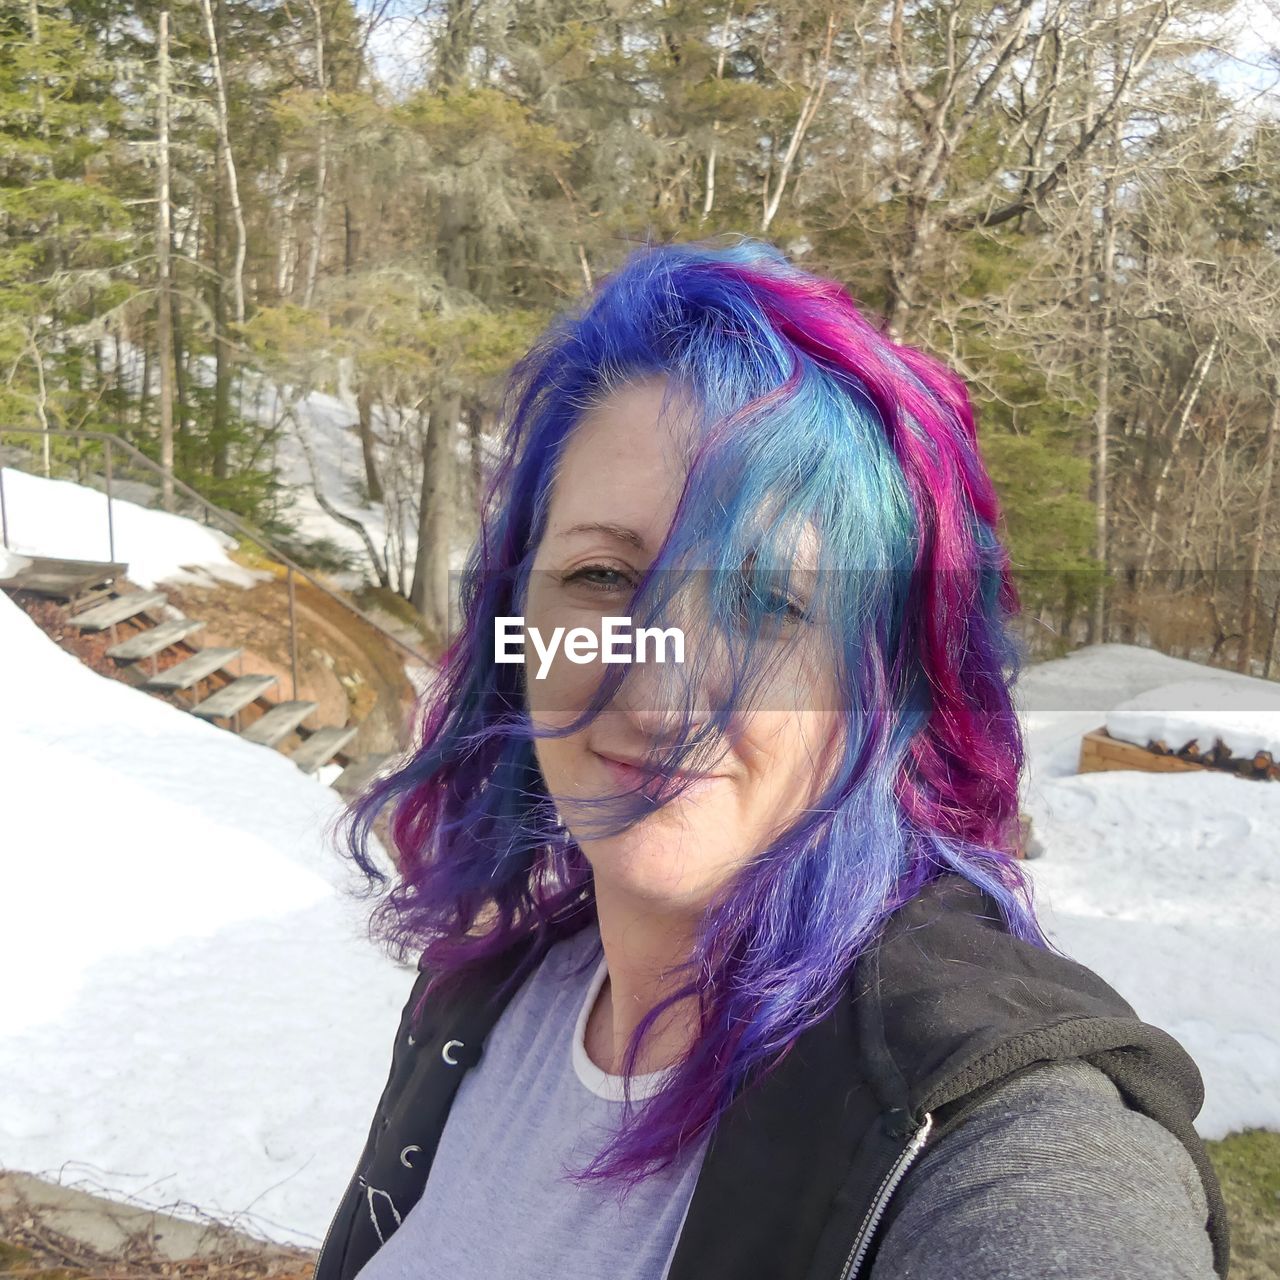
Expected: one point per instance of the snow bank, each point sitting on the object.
(11, 563)
(69, 521)
(1167, 885)
(1244, 714)
(192, 1011)
(1060, 701)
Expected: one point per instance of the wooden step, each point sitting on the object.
(62, 579)
(195, 668)
(107, 614)
(359, 773)
(278, 723)
(146, 644)
(83, 600)
(322, 746)
(233, 697)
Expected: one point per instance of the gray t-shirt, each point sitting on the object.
(1052, 1176)
(495, 1200)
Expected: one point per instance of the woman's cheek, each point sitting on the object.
(564, 689)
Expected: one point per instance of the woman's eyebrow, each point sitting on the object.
(619, 532)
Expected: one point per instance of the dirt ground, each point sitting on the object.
(56, 1232)
(33, 1246)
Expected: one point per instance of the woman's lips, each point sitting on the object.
(630, 777)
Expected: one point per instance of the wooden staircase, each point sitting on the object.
(201, 681)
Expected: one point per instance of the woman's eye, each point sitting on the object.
(782, 607)
(601, 578)
(773, 605)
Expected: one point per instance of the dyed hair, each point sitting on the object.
(806, 415)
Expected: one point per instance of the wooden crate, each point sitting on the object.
(1099, 751)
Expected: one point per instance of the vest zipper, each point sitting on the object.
(862, 1241)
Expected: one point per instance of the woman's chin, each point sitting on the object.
(661, 870)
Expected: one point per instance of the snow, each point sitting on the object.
(320, 448)
(1243, 714)
(61, 519)
(195, 1014)
(329, 425)
(11, 563)
(193, 1011)
(1166, 885)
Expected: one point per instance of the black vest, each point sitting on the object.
(797, 1182)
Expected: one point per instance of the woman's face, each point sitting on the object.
(616, 491)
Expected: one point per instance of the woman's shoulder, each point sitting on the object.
(1052, 1174)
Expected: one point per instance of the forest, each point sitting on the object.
(1068, 201)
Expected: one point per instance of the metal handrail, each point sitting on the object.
(242, 527)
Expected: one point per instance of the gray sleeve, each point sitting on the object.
(1052, 1176)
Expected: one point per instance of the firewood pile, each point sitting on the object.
(1219, 756)
(1099, 751)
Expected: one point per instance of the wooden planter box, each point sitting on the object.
(1099, 751)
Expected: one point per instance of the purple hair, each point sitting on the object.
(806, 413)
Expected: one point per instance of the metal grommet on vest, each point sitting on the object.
(404, 1160)
(458, 1054)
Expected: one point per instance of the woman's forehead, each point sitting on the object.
(623, 468)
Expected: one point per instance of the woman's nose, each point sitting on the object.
(658, 697)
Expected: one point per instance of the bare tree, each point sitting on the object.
(994, 60)
(322, 160)
(709, 194)
(815, 86)
(164, 311)
(1259, 539)
(226, 158)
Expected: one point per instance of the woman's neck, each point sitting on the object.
(643, 949)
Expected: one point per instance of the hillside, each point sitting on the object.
(354, 672)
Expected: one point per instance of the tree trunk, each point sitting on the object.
(368, 441)
(144, 391)
(179, 368)
(164, 313)
(709, 193)
(220, 427)
(1102, 410)
(808, 110)
(322, 162)
(1198, 374)
(1268, 669)
(285, 247)
(350, 239)
(430, 591)
(118, 386)
(1260, 531)
(475, 456)
(217, 41)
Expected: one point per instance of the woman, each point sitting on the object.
(727, 966)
